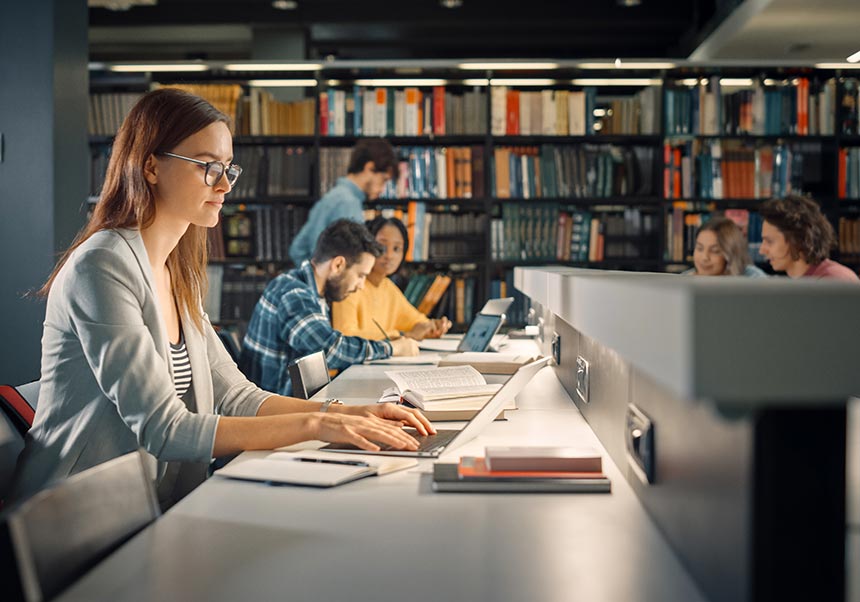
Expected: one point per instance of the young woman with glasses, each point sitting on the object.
(129, 359)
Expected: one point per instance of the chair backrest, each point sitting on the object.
(16, 418)
(61, 532)
(229, 342)
(16, 408)
(30, 392)
(308, 375)
(11, 445)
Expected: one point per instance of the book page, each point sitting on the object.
(428, 380)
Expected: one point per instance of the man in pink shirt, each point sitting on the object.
(796, 238)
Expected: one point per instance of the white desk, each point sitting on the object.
(392, 538)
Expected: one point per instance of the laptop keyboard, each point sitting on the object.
(427, 443)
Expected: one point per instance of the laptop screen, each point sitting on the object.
(480, 333)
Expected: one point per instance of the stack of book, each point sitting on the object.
(525, 469)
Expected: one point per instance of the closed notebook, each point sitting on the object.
(446, 478)
(489, 362)
(471, 467)
(543, 458)
(312, 468)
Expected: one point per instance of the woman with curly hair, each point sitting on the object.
(797, 239)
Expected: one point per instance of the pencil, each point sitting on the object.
(381, 329)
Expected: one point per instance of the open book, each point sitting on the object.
(430, 388)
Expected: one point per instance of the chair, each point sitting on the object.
(16, 406)
(309, 374)
(229, 342)
(57, 535)
(16, 418)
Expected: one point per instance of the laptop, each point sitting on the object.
(432, 446)
(478, 337)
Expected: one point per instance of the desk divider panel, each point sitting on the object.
(752, 499)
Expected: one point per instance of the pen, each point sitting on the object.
(327, 461)
(381, 329)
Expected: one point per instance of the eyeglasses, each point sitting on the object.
(215, 170)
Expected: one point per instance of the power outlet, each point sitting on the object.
(582, 378)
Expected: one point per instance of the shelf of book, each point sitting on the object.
(572, 171)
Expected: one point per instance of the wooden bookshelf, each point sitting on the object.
(652, 249)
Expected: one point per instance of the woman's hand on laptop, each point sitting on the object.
(395, 412)
(363, 431)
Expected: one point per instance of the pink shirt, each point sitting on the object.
(830, 270)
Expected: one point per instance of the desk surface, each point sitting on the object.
(391, 537)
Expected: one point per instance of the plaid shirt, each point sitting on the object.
(291, 321)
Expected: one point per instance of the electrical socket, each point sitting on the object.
(582, 378)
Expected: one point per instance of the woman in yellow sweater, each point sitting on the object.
(380, 300)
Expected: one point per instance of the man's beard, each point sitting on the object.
(335, 289)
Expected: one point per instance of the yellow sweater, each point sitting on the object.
(384, 303)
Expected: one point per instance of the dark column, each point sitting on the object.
(44, 166)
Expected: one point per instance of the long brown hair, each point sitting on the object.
(157, 123)
(731, 241)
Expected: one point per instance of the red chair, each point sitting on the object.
(18, 409)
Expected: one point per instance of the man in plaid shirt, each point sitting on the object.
(291, 319)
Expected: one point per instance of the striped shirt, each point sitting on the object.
(290, 321)
(181, 366)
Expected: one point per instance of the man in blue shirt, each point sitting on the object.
(371, 164)
(291, 319)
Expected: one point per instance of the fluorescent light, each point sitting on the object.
(600, 112)
(690, 81)
(389, 82)
(476, 82)
(621, 81)
(506, 66)
(854, 58)
(620, 64)
(282, 83)
(735, 81)
(512, 81)
(837, 65)
(273, 66)
(163, 68)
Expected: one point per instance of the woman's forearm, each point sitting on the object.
(280, 404)
(238, 434)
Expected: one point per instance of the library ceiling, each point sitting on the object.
(375, 29)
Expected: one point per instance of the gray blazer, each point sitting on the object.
(107, 380)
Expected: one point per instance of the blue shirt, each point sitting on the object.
(290, 321)
(345, 200)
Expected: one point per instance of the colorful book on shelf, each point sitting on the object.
(434, 293)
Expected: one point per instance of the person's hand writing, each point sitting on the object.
(440, 327)
(392, 411)
(363, 431)
(404, 346)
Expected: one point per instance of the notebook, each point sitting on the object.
(446, 440)
(311, 468)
